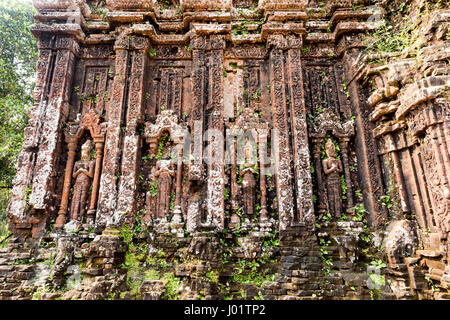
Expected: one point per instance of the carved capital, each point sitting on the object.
(166, 122)
(329, 121)
(92, 122)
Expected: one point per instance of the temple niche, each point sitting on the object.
(331, 154)
(82, 177)
(165, 139)
(248, 170)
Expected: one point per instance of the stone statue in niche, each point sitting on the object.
(83, 173)
(333, 168)
(248, 179)
(164, 173)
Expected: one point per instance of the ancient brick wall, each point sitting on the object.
(234, 149)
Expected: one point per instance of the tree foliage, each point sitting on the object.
(4, 199)
(18, 55)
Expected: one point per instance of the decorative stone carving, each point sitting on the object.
(332, 168)
(194, 213)
(83, 174)
(163, 173)
(193, 5)
(247, 173)
(91, 123)
(328, 121)
(166, 122)
(63, 259)
(400, 241)
(248, 156)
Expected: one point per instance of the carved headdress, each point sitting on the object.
(330, 148)
(87, 146)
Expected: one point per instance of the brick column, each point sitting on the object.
(35, 182)
(131, 156)
(216, 146)
(116, 111)
(283, 154)
(369, 169)
(300, 145)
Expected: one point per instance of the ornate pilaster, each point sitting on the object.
(284, 179)
(91, 122)
(262, 152)
(35, 183)
(300, 145)
(294, 193)
(368, 163)
(207, 62)
(215, 137)
(343, 143)
(130, 162)
(199, 82)
(56, 112)
(116, 110)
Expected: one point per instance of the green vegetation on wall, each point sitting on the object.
(4, 233)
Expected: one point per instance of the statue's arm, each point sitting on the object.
(91, 169)
(326, 169)
(76, 171)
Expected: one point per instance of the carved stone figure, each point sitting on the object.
(164, 173)
(248, 186)
(400, 241)
(63, 259)
(83, 174)
(332, 168)
(248, 179)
